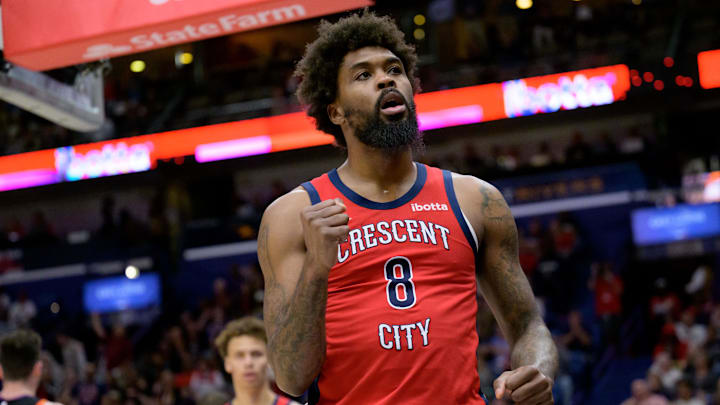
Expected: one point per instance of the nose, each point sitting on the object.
(385, 81)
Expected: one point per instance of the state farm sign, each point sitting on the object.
(225, 24)
(46, 34)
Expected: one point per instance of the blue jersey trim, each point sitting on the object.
(312, 192)
(313, 393)
(373, 205)
(450, 190)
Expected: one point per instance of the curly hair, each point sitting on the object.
(246, 326)
(320, 65)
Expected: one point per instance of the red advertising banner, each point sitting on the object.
(47, 34)
(709, 69)
(439, 109)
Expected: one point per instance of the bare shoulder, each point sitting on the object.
(474, 187)
(284, 214)
(281, 228)
(289, 204)
(480, 201)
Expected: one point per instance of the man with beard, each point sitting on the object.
(370, 270)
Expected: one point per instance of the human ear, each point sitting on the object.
(336, 114)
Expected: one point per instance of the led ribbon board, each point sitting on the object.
(439, 109)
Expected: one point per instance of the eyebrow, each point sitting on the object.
(365, 64)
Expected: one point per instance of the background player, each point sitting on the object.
(21, 368)
(330, 309)
(243, 347)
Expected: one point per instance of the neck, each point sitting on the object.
(387, 171)
(260, 395)
(16, 389)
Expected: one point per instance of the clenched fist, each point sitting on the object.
(325, 225)
(525, 385)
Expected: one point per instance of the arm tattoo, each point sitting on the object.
(517, 312)
(295, 322)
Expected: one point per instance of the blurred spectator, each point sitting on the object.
(496, 352)
(473, 161)
(700, 285)
(606, 148)
(564, 235)
(577, 339)
(502, 159)
(632, 143)
(667, 371)
(88, 390)
(214, 398)
(664, 304)
(575, 350)
(22, 311)
(641, 395)
(686, 394)
(579, 151)
(73, 354)
(543, 156)
(699, 373)
(41, 231)
(670, 344)
(608, 288)
(117, 348)
(715, 400)
(51, 382)
(205, 379)
(689, 332)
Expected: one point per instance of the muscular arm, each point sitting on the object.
(506, 289)
(295, 295)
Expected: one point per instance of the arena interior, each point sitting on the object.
(133, 176)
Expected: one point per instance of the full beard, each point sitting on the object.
(391, 136)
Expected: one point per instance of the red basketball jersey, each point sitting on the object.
(401, 307)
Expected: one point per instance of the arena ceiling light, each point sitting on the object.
(137, 66)
(523, 4)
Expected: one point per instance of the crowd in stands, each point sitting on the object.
(103, 360)
(481, 43)
(684, 328)
(171, 208)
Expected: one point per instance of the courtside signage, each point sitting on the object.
(47, 34)
(439, 109)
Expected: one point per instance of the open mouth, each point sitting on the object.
(392, 103)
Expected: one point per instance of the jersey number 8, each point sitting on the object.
(400, 288)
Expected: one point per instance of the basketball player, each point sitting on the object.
(21, 368)
(243, 347)
(370, 270)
